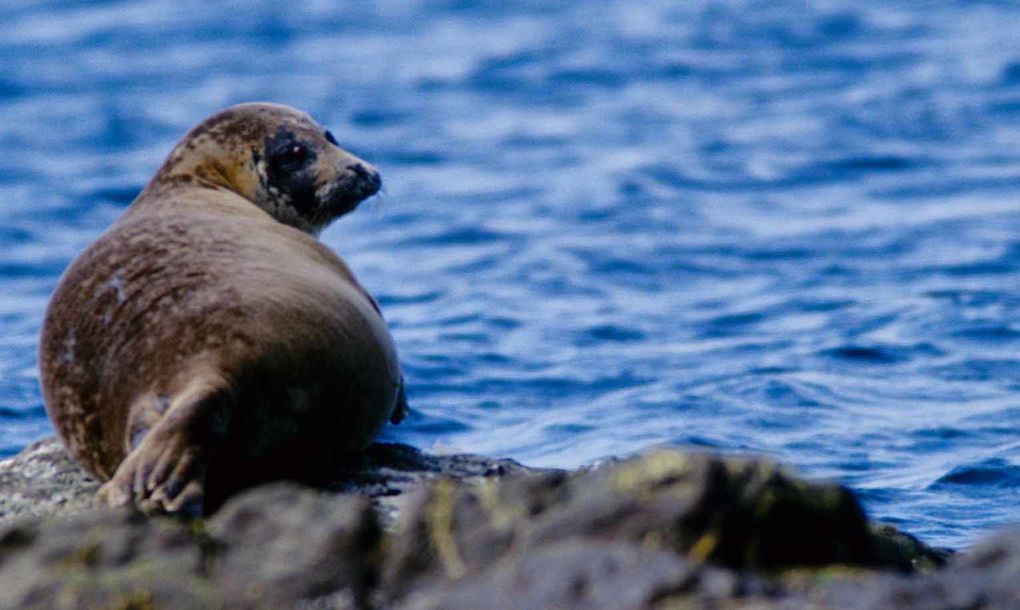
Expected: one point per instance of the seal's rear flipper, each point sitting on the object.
(166, 471)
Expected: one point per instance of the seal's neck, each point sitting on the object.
(205, 162)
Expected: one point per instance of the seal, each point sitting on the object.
(208, 341)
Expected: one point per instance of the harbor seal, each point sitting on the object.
(207, 341)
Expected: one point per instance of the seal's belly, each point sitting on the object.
(323, 384)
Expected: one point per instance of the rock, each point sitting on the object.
(898, 549)
(280, 543)
(274, 546)
(578, 574)
(112, 559)
(987, 577)
(385, 472)
(663, 530)
(43, 480)
(738, 513)
(566, 575)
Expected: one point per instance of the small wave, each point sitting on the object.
(611, 333)
(989, 473)
(863, 354)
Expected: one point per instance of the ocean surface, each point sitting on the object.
(782, 228)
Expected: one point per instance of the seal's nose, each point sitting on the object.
(369, 181)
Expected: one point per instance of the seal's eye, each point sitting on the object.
(330, 138)
(295, 153)
(291, 155)
(286, 152)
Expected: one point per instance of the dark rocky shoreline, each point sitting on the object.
(403, 529)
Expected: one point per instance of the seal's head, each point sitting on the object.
(276, 157)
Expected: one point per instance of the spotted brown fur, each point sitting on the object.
(207, 340)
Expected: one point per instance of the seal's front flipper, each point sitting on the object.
(165, 472)
(400, 409)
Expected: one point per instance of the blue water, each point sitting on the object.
(789, 228)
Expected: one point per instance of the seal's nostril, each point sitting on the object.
(371, 178)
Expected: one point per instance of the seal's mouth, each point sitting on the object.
(358, 184)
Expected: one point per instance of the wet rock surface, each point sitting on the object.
(402, 529)
(42, 480)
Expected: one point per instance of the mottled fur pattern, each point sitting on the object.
(207, 340)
